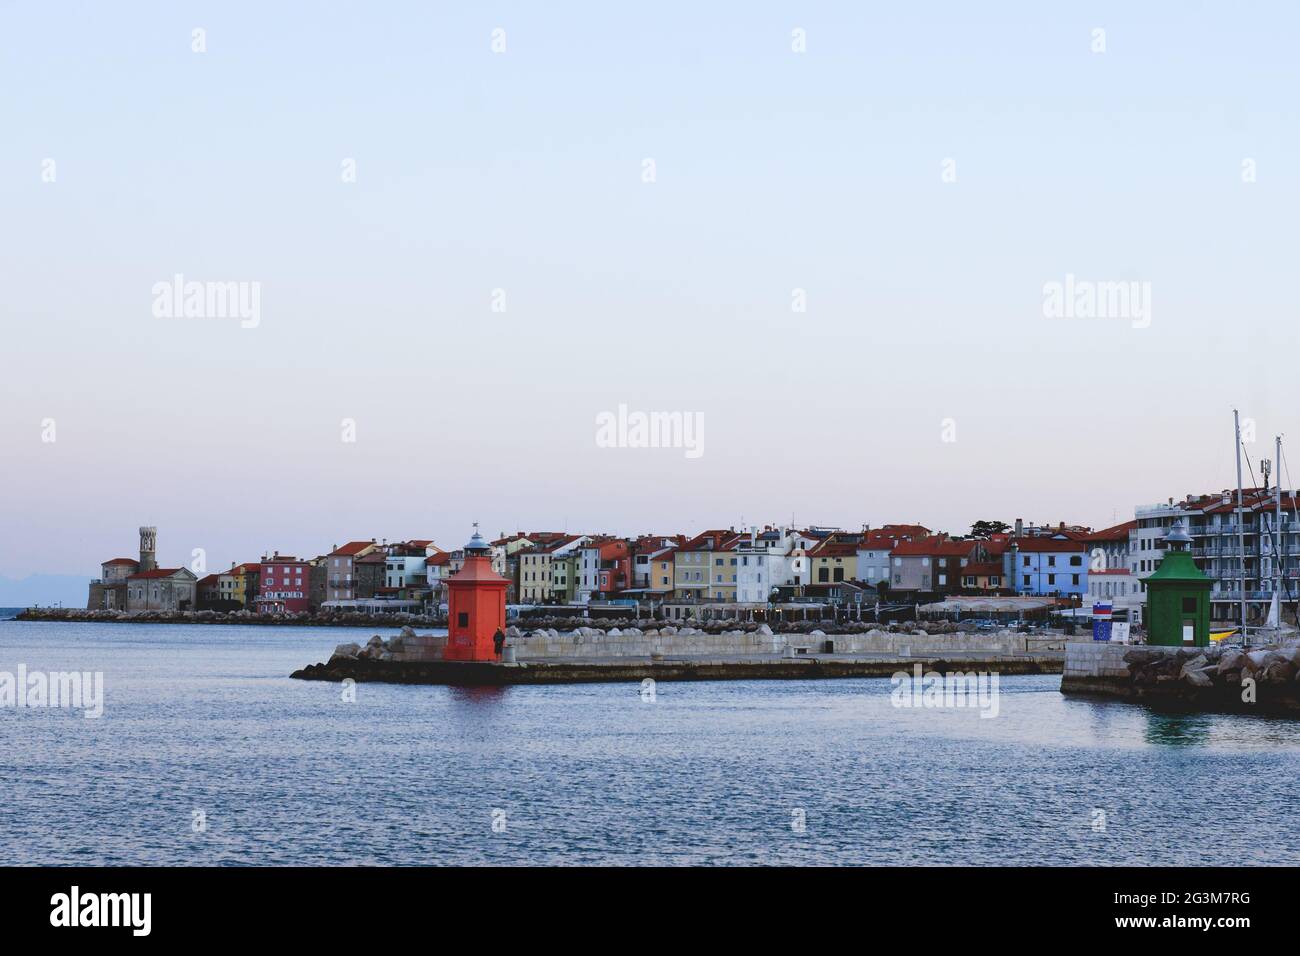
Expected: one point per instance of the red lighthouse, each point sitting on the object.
(476, 606)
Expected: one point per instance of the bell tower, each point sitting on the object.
(476, 605)
(148, 547)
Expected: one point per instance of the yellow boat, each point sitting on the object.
(1217, 636)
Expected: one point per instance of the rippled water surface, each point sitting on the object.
(206, 719)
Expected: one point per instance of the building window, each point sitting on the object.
(462, 619)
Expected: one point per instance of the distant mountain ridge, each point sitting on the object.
(44, 589)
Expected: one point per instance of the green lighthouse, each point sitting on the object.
(1178, 597)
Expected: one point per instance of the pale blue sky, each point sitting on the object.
(522, 171)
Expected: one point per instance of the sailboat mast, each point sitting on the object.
(1279, 556)
(1241, 528)
(1277, 521)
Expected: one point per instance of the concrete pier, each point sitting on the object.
(591, 656)
(633, 669)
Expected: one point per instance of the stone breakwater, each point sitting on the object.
(1252, 680)
(320, 619)
(531, 625)
(673, 653)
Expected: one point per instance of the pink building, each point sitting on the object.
(285, 585)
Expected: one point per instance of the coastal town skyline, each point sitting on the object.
(1244, 543)
(222, 545)
(893, 279)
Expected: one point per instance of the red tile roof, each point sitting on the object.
(156, 573)
(715, 540)
(353, 547)
(899, 530)
(123, 561)
(935, 546)
(1118, 532)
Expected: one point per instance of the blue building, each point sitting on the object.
(1053, 565)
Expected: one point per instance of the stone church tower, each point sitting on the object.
(148, 545)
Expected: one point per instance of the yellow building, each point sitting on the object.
(661, 573)
(240, 583)
(834, 560)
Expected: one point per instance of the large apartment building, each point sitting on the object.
(1269, 563)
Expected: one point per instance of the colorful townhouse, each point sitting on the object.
(538, 567)
(240, 583)
(406, 574)
(284, 585)
(706, 567)
(652, 562)
(564, 577)
(341, 570)
(835, 559)
(986, 570)
(1054, 565)
(930, 566)
(601, 567)
(876, 546)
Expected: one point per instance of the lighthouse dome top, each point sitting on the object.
(1178, 535)
(476, 544)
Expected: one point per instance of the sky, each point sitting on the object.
(823, 232)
